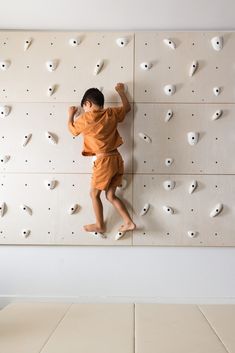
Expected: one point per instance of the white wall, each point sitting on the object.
(116, 273)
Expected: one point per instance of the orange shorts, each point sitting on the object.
(107, 171)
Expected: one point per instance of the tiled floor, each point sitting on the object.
(117, 328)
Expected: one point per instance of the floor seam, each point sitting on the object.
(134, 332)
(217, 335)
(63, 316)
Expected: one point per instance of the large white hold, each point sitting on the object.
(26, 139)
(192, 233)
(192, 186)
(74, 42)
(26, 209)
(51, 65)
(73, 208)
(4, 64)
(169, 89)
(217, 43)
(51, 137)
(25, 233)
(98, 66)
(121, 42)
(216, 90)
(27, 43)
(4, 159)
(216, 210)
(2, 209)
(145, 209)
(168, 209)
(169, 115)
(144, 137)
(217, 114)
(51, 90)
(4, 110)
(193, 137)
(169, 161)
(169, 184)
(193, 68)
(123, 184)
(145, 66)
(50, 184)
(169, 43)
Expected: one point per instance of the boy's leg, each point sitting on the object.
(98, 209)
(121, 208)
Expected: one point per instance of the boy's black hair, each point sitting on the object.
(94, 95)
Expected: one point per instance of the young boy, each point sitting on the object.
(101, 139)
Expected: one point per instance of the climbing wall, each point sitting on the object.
(179, 137)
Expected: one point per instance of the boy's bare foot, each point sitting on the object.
(127, 227)
(94, 228)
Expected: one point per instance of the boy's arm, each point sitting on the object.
(125, 102)
(75, 127)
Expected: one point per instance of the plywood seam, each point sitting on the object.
(55, 328)
(213, 329)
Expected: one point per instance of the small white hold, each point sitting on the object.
(51, 137)
(25, 233)
(168, 209)
(50, 184)
(121, 42)
(216, 210)
(169, 90)
(193, 138)
(192, 186)
(98, 235)
(169, 161)
(4, 65)
(51, 65)
(4, 110)
(51, 90)
(4, 159)
(144, 137)
(123, 184)
(27, 43)
(169, 184)
(26, 139)
(169, 115)
(72, 209)
(145, 66)
(193, 68)
(217, 114)
(98, 67)
(169, 43)
(2, 209)
(217, 43)
(26, 209)
(145, 209)
(192, 233)
(119, 235)
(216, 91)
(74, 42)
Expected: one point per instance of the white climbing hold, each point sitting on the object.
(144, 137)
(74, 42)
(4, 110)
(123, 184)
(217, 43)
(51, 137)
(50, 184)
(217, 114)
(50, 90)
(145, 66)
(192, 233)
(25, 233)
(193, 138)
(216, 210)
(169, 161)
(26, 139)
(98, 235)
(169, 43)
(119, 235)
(27, 43)
(121, 42)
(169, 90)
(169, 115)
(193, 68)
(169, 184)
(216, 91)
(145, 209)
(98, 67)
(73, 208)
(168, 209)
(26, 209)
(51, 65)
(2, 209)
(4, 159)
(192, 186)
(4, 64)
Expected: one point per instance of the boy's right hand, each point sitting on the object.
(120, 87)
(72, 110)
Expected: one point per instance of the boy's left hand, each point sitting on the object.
(72, 110)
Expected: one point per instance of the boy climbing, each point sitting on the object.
(101, 139)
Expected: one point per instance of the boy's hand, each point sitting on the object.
(72, 110)
(120, 88)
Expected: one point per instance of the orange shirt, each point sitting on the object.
(99, 129)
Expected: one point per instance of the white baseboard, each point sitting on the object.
(5, 300)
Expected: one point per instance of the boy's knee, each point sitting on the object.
(110, 196)
(95, 193)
